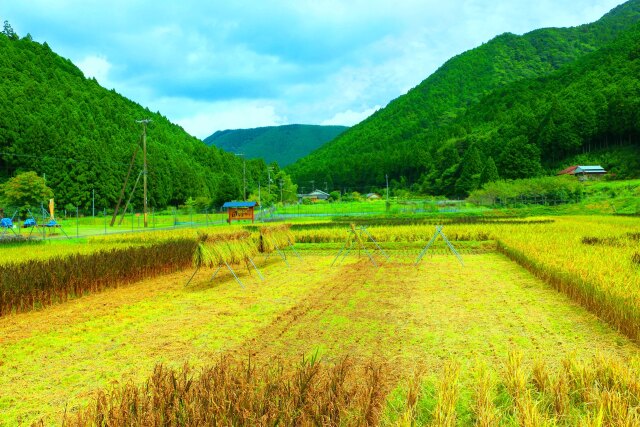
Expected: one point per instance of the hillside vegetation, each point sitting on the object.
(282, 144)
(58, 123)
(527, 102)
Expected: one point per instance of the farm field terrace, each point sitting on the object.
(412, 319)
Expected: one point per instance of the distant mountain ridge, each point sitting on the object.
(422, 137)
(283, 144)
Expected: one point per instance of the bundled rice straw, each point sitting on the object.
(221, 249)
(279, 236)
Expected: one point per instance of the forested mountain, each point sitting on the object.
(282, 144)
(423, 138)
(57, 123)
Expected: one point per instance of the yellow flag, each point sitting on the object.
(51, 207)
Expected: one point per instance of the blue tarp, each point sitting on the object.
(6, 223)
(239, 204)
(52, 223)
(29, 222)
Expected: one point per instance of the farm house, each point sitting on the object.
(584, 172)
(314, 196)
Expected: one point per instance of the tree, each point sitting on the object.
(26, 191)
(470, 175)
(229, 189)
(520, 159)
(489, 172)
(7, 30)
(287, 190)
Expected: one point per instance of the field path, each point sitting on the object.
(420, 317)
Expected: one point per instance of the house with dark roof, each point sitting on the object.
(314, 196)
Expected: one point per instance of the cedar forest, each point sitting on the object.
(81, 137)
(529, 105)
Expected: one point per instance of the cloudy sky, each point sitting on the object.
(213, 65)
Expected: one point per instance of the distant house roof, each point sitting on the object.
(568, 171)
(239, 204)
(315, 194)
(372, 196)
(590, 169)
(572, 170)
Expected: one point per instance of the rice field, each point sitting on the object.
(537, 328)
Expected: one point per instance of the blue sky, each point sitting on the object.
(214, 65)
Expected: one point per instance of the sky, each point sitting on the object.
(215, 65)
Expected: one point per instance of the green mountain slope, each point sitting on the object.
(588, 111)
(403, 138)
(282, 144)
(56, 122)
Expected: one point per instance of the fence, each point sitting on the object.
(379, 207)
(75, 223)
(522, 200)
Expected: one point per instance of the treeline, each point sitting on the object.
(525, 102)
(81, 137)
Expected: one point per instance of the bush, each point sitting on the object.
(562, 189)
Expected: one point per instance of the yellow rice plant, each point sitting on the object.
(38, 250)
(484, 409)
(599, 274)
(444, 414)
(408, 417)
(314, 393)
(236, 393)
(399, 233)
(154, 236)
(279, 236)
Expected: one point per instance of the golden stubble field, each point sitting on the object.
(411, 319)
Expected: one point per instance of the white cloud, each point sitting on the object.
(350, 117)
(96, 66)
(217, 65)
(206, 118)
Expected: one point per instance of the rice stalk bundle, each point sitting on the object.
(30, 285)
(224, 249)
(279, 236)
(216, 237)
(202, 256)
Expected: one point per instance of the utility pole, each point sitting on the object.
(281, 183)
(387, 178)
(124, 186)
(313, 185)
(244, 176)
(326, 187)
(269, 168)
(259, 198)
(93, 203)
(144, 168)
